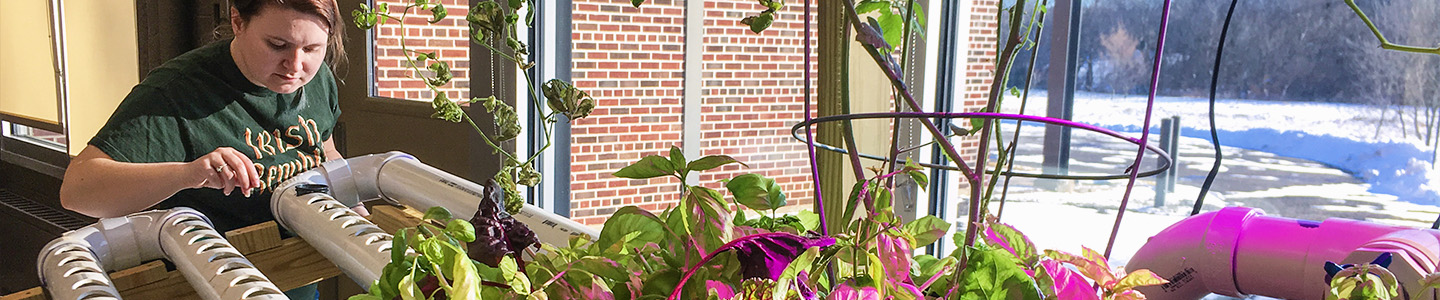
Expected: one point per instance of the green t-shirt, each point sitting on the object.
(200, 101)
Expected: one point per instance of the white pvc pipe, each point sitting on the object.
(422, 186)
(74, 266)
(358, 247)
(1239, 251)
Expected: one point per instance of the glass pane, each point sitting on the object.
(1314, 120)
(49, 139)
(448, 39)
(633, 62)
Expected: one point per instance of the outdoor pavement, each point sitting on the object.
(1282, 186)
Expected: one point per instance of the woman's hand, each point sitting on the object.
(225, 169)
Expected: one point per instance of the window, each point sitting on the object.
(448, 39)
(49, 139)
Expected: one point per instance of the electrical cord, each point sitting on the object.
(1214, 135)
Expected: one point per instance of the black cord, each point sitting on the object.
(1214, 136)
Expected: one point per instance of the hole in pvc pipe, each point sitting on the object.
(368, 230)
(78, 270)
(224, 255)
(202, 237)
(212, 246)
(352, 222)
(74, 258)
(86, 283)
(183, 219)
(97, 295)
(247, 280)
(259, 292)
(232, 267)
(191, 228)
(376, 238)
(74, 249)
(341, 214)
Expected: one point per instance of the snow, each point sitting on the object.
(1343, 136)
(1364, 164)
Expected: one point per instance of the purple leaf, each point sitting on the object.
(894, 253)
(1068, 284)
(762, 255)
(846, 292)
(724, 291)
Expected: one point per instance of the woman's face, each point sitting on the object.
(279, 48)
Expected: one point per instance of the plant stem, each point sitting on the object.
(1384, 43)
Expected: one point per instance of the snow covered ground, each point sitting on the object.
(1298, 160)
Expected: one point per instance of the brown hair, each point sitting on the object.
(325, 9)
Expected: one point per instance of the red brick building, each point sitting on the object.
(632, 61)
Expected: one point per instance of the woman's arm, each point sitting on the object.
(99, 186)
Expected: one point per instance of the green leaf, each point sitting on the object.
(926, 230)
(853, 200)
(772, 5)
(631, 219)
(637, 3)
(920, 16)
(530, 14)
(919, 178)
(809, 220)
(760, 22)
(437, 213)
(461, 230)
(882, 199)
(398, 245)
(995, 274)
(438, 13)
(1138, 278)
(893, 27)
(677, 158)
(999, 235)
(604, 267)
(739, 219)
(801, 263)
(756, 192)
(648, 167)
(871, 5)
(408, 291)
(711, 162)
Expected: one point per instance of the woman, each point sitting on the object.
(216, 128)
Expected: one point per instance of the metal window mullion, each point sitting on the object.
(694, 52)
(945, 79)
(62, 86)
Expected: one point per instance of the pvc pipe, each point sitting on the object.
(1239, 251)
(358, 247)
(74, 265)
(418, 185)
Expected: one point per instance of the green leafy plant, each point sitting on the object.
(1364, 282)
(430, 262)
(490, 22)
(705, 245)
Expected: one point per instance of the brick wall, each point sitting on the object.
(449, 39)
(632, 61)
(979, 66)
(754, 93)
